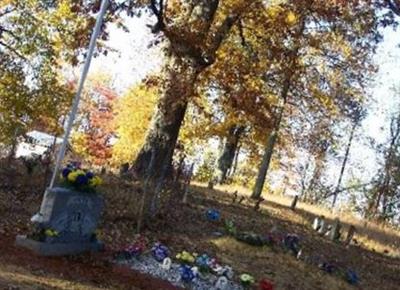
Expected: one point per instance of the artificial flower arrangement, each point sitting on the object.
(246, 280)
(186, 257)
(160, 252)
(73, 176)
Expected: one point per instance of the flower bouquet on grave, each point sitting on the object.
(246, 280)
(351, 277)
(230, 227)
(251, 239)
(134, 250)
(186, 257)
(204, 262)
(265, 285)
(160, 252)
(74, 177)
(291, 243)
(213, 215)
(187, 273)
(43, 234)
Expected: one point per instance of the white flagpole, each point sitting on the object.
(77, 98)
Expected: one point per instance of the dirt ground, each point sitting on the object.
(184, 227)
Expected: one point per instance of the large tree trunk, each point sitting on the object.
(227, 157)
(192, 49)
(167, 120)
(269, 148)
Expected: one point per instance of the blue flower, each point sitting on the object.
(65, 172)
(292, 243)
(186, 272)
(203, 261)
(213, 215)
(160, 252)
(89, 175)
(352, 277)
(81, 180)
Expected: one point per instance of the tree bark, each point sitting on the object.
(346, 156)
(269, 148)
(192, 49)
(235, 162)
(227, 157)
(167, 120)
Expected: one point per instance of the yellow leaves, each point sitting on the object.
(133, 116)
(273, 99)
(274, 11)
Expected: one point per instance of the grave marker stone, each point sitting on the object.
(294, 202)
(335, 230)
(323, 226)
(317, 223)
(72, 217)
(350, 235)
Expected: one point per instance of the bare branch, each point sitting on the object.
(13, 50)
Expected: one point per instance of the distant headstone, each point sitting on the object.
(317, 223)
(335, 230)
(294, 202)
(323, 227)
(67, 222)
(350, 235)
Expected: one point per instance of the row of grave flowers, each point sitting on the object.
(192, 266)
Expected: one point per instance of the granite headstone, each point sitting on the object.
(73, 216)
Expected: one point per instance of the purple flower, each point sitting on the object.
(65, 172)
(82, 180)
(89, 175)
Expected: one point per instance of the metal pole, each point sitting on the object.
(77, 98)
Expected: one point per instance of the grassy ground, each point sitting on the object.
(370, 235)
(185, 227)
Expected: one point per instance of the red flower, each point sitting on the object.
(266, 285)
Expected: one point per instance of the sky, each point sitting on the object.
(133, 60)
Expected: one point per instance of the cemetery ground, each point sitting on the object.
(375, 255)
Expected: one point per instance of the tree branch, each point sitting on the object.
(394, 6)
(13, 50)
(159, 13)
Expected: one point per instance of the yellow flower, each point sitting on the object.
(291, 18)
(72, 176)
(51, 233)
(96, 181)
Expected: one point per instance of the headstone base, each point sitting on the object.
(57, 249)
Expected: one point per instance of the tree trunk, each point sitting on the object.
(235, 162)
(346, 156)
(227, 157)
(167, 120)
(192, 48)
(269, 148)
